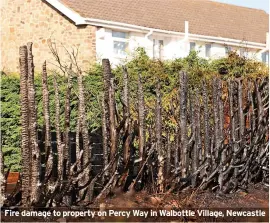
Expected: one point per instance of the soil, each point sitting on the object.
(257, 196)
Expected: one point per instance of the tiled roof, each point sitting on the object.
(205, 17)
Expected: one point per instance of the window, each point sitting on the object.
(192, 46)
(265, 57)
(120, 43)
(208, 50)
(120, 48)
(119, 34)
(228, 49)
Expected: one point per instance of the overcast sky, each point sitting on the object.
(258, 4)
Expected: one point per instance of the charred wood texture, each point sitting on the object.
(207, 150)
(219, 142)
(105, 124)
(33, 135)
(159, 145)
(126, 111)
(85, 136)
(60, 145)
(176, 151)
(141, 111)
(196, 126)
(26, 155)
(216, 123)
(66, 137)
(222, 149)
(106, 115)
(183, 123)
(168, 155)
(47, 123)
(109, 103)
(233, 126)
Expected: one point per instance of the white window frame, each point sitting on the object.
(119, 39)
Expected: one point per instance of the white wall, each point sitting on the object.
(217, 51)
(174, 47)
(104, 45)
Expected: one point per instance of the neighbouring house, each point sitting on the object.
(167, 29)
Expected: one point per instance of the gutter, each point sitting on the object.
(125, 26)
(135, 28)
(186, 32)
(149, 34)
(186, 29)
(79, 20)
(231, 42)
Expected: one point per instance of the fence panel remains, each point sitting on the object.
(219, 141)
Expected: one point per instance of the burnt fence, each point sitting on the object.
(96, 146)
(217, 138)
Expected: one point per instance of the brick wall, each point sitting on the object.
(35, 21)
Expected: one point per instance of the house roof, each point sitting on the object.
(205, 17)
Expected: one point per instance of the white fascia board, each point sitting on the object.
(79, 20)
(75, 17)
(227, 41)
(125, 26)
(135, 28)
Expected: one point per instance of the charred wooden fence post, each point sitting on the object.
(183, 123)
(105, 141)
(176, 150)
(26, 153)
(126, 114)
(196, 126)
(234, 126)
(109, 98)
(66, 137)
(241, 115)
(85, 138)
(47, 124)
(106, 116)
(207, 151)
(222, 149)
(159, 145)
(216, 123)
(168, 155)
(60, 146)
(141, 118)
(201, 156)
(33, 143)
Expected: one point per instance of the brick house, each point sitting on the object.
(114, 28)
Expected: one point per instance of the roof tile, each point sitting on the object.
(205, 17)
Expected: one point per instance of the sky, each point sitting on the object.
(258, 4)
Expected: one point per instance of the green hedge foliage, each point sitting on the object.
(166, 72)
